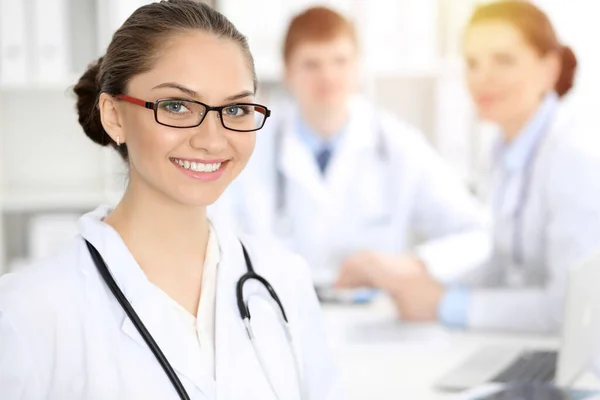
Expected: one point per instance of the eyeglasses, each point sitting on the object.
(180, 113)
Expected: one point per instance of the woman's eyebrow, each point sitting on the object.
(241, 95)
(177, 86)
(194, 94)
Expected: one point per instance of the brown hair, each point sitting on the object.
(316, 24)
(133, 50)
(537, 29)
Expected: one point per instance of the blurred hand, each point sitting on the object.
(374, 269)
(417, 295)
(414, 291)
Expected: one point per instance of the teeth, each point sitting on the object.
(198, 167)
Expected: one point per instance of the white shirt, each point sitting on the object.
(202, 326)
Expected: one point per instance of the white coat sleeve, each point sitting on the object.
(572, 233)
(451, 221)
(321, 372)
(18, 380)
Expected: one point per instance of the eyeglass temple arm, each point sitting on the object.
(139, 102)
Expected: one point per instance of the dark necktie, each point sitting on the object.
(323, 157)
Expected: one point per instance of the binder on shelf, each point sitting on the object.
(51, 49)
(14, 54)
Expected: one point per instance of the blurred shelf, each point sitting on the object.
(32, 201)
(440, 69)
(272, 73)
(58, 85)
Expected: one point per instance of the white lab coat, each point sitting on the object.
(560, 226)
(363, 202)
(64, 336)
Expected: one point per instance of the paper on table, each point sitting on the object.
(491, 388)
(484, 390)
(391, 331)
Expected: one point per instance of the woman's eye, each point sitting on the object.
(236, 111)
(175, 107)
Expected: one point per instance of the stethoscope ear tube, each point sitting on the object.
(243, 307)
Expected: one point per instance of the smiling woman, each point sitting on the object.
(152, 299)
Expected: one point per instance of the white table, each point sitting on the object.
(383, 358)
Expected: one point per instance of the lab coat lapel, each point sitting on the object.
(239, 374)
(174, 339)
(297, 163)
(169, 332)
(351, 157)
(228, 331)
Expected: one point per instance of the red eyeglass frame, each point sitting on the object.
(219, 109)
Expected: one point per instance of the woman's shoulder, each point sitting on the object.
(43, 285)
(572, 156)
(573, 137)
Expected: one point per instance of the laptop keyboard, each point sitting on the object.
(536, 366)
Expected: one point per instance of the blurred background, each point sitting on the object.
(50, 172)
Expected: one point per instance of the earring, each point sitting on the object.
(118, 141)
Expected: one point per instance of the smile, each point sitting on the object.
(197, 166)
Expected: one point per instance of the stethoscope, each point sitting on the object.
(283, 222)
(518, 251)
(243, 310)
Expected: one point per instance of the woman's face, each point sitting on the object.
(506, 76)
(195, 66)
(322, 75)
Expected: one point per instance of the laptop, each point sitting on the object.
(579, 341)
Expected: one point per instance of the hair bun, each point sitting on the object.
(566, 78)
(87, 91)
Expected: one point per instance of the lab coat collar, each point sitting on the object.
(229, 330)
(311, 139)
(167, 329)
(516, 155)
(362, 120)
(298, 161)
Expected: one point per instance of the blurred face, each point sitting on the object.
(322, 75)
(191, 166)
(506, 77)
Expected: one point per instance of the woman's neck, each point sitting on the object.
(512, 127)
(161, 234)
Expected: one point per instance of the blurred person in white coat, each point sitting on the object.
(152, 300)
(545, 189)
(344, 184)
